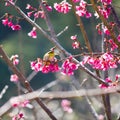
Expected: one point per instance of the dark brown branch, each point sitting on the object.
(24, 81)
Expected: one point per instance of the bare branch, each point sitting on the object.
(57, 95)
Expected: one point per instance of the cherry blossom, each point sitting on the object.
(104, 62)
(39, 14)
(5, 21)
(106, 1)
(113, 45)
(45, 66)
(16, 27)
(118, 37)
(66, 105)
(14, 59)
(19, 104)
(75, 1)
(36, 65)
(105, 11)
(19, 116)
(10, 24)
(63, 7)
(8, 4)
(110, 82)
(33, 33)
(68, 67)
(29, 7)
(74, 37)
(75, 45)
(81, 10)
(14, 78)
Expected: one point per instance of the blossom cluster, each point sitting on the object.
(37, 13)
(67, 67)
(44, 66)
(10, 24)
(103, 62)
(81, 10)
(19, 115)
(111, 83)
(75, 43)
(15, 61)
(106, 1)
(63, 7)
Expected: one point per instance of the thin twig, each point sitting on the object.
(3, 91)
(92, 109)
(66, 28)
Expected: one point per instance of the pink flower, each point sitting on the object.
(8, 4)
(51, 67)
(10, 24)
(106, 31)
(15, 103)
(63, 7)
(75, 45)
(100, 117)
(104, 62)
(118, 37)
(74, 37)
(113, 45)
(68, 67)
(29, 13)
(5, 21)
(33, 33)
(29, 7)
(25, 103)
(19, 116)
(117, 77)
(49, 8)
(105, 12)
(106, 1)
(81, 10)
(39, 14)
(75, 1)
(14, 78)
(36, 65)
(66, 106)
(16, 27)
(14, 59)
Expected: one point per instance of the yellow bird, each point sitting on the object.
(50, 55)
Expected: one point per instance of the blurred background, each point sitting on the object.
(28, 49)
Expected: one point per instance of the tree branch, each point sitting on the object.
(57, 95)
(24, 81)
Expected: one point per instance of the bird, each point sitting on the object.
(50, 55)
